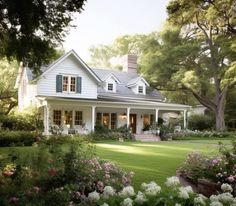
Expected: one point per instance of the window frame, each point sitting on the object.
(69, 85)
(79, 120)
(141, 88)
(112, 85)
(57, 118)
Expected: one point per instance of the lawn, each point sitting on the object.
(153, 161)
(150, 161)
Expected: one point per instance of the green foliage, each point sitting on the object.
(56, 175)
(201, 122)
(8, 94)
(27, 120)
(16, 138)
(30, 30)
(103, 133)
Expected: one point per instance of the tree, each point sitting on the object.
(31, 29)
(8, 95)
(196, 52)
(102, 55)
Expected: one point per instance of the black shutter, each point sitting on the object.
(59, 83)
(79, 85)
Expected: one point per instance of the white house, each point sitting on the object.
(71, 94)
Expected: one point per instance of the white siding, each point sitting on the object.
(139, 83)
(110, 80)
(70, 66)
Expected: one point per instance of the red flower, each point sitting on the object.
(52, 172)
(7, 173)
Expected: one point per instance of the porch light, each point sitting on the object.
(68, 126)
(123, 116)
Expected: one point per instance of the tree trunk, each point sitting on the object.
(220, 120)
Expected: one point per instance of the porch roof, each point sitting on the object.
(121, 103)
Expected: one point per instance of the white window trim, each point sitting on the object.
(69, 84)
(112, 87)
(142, 89)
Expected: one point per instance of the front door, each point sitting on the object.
(132, 122)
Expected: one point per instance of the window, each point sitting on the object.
(152, 120)
(113, 120)
(99, 119)
(140, 89)
(78, 118)
(68, 118)
(69, 84)
(72, 84)
(110, 87)
(105, 120)
(57, 117)
(65, 84)
(146, 120)
(108, 120)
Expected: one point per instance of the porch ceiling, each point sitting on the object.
(114, 104)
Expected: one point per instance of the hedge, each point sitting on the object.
(16, 138)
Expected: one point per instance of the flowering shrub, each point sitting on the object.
(219, 169)
(152, 194)
(53, 177)
(189, 134)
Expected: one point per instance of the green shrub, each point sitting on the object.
(28, 120)
(103, 133)
(16, 138)
(201, 122)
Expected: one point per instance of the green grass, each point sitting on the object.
(153, 161)
(150, 161)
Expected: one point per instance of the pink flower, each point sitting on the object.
(230, 178)
(100, 185)
(36, 189)
(13, 200)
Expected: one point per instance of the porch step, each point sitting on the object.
(147, 137)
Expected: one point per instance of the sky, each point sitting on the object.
(102, 21)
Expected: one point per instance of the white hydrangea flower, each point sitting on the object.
(183, 193)
(216, 203)
(226, 188)
(93, 196)
(127, 192)
(214, 198)
(108, 191)
(140, 198)
(127, 202)
(151, 189)
(172, 181)
(200, 200)
(177, 204)
(226, 197)
(188, 189)
(104, 204)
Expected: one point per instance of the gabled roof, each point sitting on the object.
(71, 52)
(134, 81)
(113, 76)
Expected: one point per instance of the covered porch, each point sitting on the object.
(81, 116)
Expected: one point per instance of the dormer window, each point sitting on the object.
(140, 89)
(110, 87)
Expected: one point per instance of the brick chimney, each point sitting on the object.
(130, 63)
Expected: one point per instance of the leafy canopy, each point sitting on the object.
(30, 29)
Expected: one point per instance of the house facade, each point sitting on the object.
(70, 94)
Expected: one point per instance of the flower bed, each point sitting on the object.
(214, 170)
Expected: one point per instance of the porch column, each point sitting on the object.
(46, 120)
(156, 116)
(93, 117)
(127, 116)
(185, 119)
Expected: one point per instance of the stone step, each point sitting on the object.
(147, 138)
